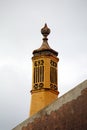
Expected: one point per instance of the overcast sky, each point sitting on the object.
(20, 24)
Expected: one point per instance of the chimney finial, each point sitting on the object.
(45, 31)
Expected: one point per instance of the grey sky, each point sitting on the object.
(20, 24)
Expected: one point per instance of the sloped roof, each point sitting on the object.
(66, 113)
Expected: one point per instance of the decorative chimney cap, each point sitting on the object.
(45, 31)
(45, 48)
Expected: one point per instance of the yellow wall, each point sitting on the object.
(46, 68)
(40, 100)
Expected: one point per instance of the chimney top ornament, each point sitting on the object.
(45, 31)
